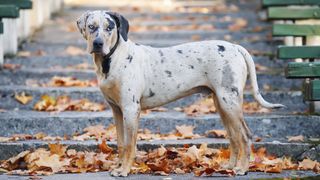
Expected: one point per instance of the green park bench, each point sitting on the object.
(268, 3)
(21, 4)
(308, 70)
(14, 22)
(6, 11)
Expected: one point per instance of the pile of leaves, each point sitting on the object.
(65, 103)
(163, 161)
(206, 106)
(58, 81)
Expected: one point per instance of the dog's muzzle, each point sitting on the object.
(97, 46)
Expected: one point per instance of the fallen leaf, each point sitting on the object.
(74, 51)
(307, 164)
(216, 133)
(105, 148)
(185, 131)
(57, 149)
(238, 24)
(296, 138)
(11, 66)
(23, 98)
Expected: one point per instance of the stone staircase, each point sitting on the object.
(59, 34)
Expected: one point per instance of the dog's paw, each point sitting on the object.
(240, 171)
(228, 165)
(119, 172)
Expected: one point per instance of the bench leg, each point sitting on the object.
(1, 50)
(10, 36)
(36, 17)
(24, 25)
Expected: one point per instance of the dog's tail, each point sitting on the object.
(253, 78)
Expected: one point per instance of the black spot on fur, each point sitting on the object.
(106, 65)
(129, 89)
(199, 60)
(235, 90)
(162, 60)
(111, 24)
(224, 99)
(169, 73)
(133, 98)
(206, 73)
(221, 48)
(137, 44)
(161, 53)
(129, 58)
(151, 93)
(137, 101)
(191, 67)
(178, 86)
(179, 51)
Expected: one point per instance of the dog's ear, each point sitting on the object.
(82, 22)
(122, 23)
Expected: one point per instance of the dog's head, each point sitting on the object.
(101, 30)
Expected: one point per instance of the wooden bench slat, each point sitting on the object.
(22, 4)
(303, 70)
(293, 13)
(294, 52)
(312, 91)
(9, 11)
(295, 30)
(267, 3)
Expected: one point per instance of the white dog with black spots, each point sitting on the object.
(134, 77)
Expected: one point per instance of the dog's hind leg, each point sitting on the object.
(118, 118)
(230, 109)
(234, 151)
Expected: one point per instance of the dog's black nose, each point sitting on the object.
(97, 43)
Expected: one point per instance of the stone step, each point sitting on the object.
(66, 123)
(275, 81)
(292, 99)
(294, 150)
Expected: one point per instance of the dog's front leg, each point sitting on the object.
(131, 115)
(118, 118)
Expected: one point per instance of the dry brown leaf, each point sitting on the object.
(195, 37)
(57, 149)
(5, 139)
(45, 102)
(65, 103)
(57, 81)
(216, 133)
(74, 51)
(105, 148)
(53, 162)
(23, 98)
(299, 138)
(307, 164)
(11, 66)
(238, 24)
(185, 131)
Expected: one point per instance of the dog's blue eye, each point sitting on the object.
(108, 29)
(91, 27)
